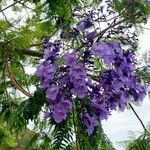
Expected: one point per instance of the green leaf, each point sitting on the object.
(6, 138)
(23, 41)
(32, 141)
(98, 64)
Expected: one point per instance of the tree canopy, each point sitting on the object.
(87, 41)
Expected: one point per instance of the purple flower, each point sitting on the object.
(77, 80)
(49, 54)
(66, 104)
(70, 58)
(127, 68)
(84, 25)
(46, 71)
(91, 35)
(77, 70)
(103, 50)
(116, 84)
(59, 115)
(45, 83)
(130, 56)
(100, 49)
(61, 109)
(90, 122)
(50, 50)
(40, 70)
(112, 90)
(101, 110)
(119, 75)
(49, 71)
(124, 98)
(52, 92)
(112, 104)
(77, 77)
(116, 47)
(64, 79)
(141, 90)
(108, 60)
(79, 90)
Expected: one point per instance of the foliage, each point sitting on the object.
(6, 137)
(129, 8)
(21, 45)
(21, 140)
(138, 141)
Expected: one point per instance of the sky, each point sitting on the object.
(119, 124)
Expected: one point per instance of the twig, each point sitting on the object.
(23, 4)
(9, 6)
(144, 27)
(139, 119)
(8, 21)
(24, 73)
(100, 34)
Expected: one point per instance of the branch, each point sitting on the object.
(23, 4)
(6, 92)
(10, 24)
(9, 6)
(13, 80)
(31, 52)
(139, 119)
(100, 34)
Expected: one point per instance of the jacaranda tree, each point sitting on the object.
(85, 57)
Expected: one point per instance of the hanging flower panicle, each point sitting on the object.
(77, 79)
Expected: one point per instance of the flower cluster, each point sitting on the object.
(117, 85)
(77, 75)
(76, 79)
(60, 103)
